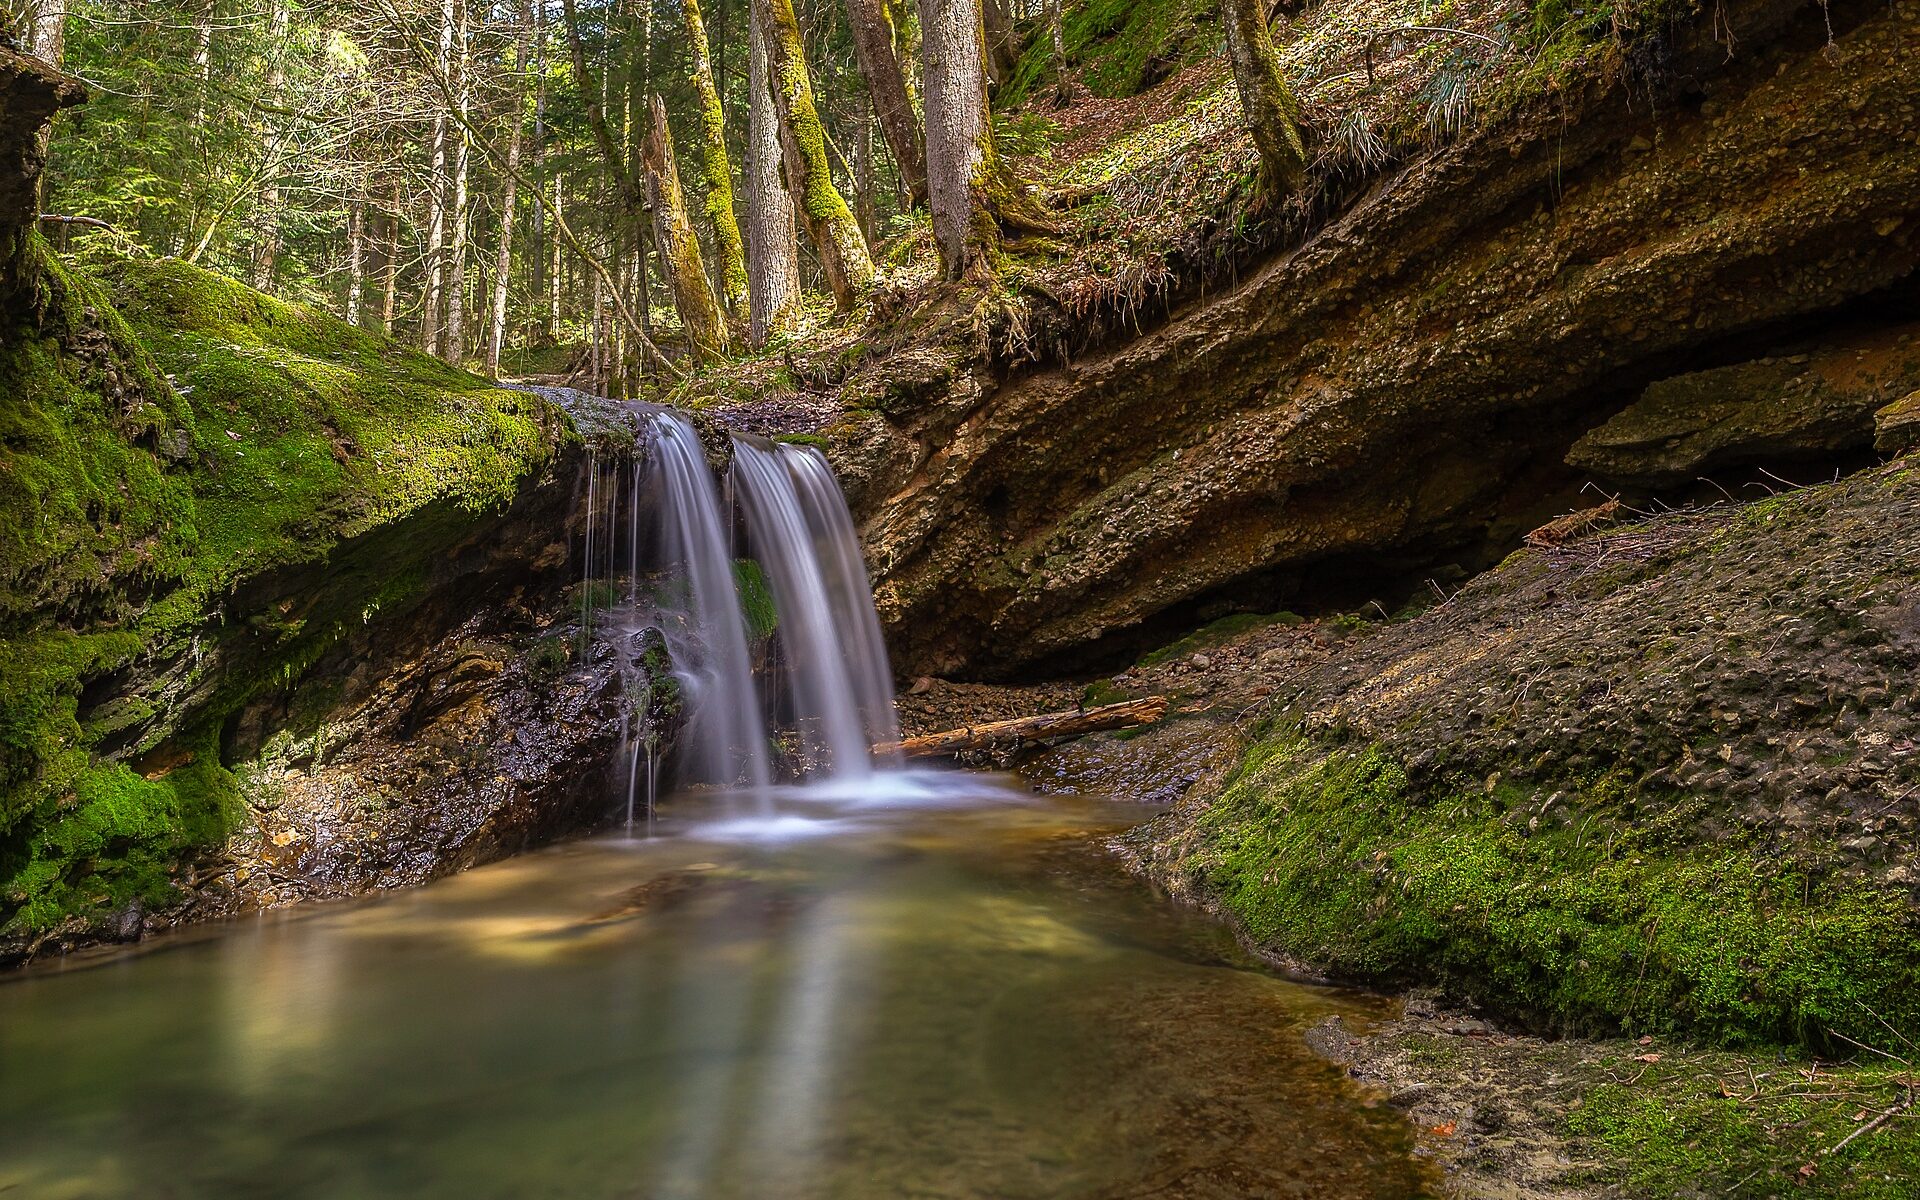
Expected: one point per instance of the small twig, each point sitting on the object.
(1874, 1124)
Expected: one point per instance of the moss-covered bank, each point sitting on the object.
(1551, 911)
(1662, 778)
(174, 448)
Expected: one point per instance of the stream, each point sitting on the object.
(926, 985)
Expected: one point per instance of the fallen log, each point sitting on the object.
(1030, 729)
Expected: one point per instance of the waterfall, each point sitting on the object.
(803, 536)
(727, 736)
(665, 601)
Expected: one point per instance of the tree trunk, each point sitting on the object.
(553, 267)
(438, 189)
(876, 43)
(1002, 43)
(773, 254)
(973, 195)
(503, 261)
(266, 257)
(47, 33)
(803, 143)
(715, 169)
(863, 202)
(356, 256)
(1007, 734)
(1057, 35)
(390, 284)
(453, 346)
(700, 316)
(1268, 103)
(537, 230)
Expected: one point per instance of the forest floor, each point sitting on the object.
(1703, 647)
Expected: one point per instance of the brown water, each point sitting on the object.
(956, 997)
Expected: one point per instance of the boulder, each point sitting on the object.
(1775, 409)
(1896, 428)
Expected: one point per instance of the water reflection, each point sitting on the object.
(913, 991)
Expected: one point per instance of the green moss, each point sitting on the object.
(716, 171)
(1223, 630)
(1121, 46)
(1568, 916)
(803, 439)
(132, 514)
(1712, 1128)
(1103, 692)
(756, 599)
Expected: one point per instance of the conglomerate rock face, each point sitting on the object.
(1398, 389)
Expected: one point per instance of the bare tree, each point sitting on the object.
(693, 299)
(876, 47)
(773, 252)
(1269, 104)
(803, 141)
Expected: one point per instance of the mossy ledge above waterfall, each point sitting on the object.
(202, 491)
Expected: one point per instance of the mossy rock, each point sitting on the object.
(201, 489)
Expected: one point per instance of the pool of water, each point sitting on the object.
(938, 987)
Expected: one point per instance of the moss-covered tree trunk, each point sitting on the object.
(803, 143)
(875, 47)
(972, 193)
(773, 252)
(1269, 104)
(693, 298)
(715, 169)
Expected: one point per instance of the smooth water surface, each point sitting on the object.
(914, 992)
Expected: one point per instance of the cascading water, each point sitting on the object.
(802, 534)
(727, 735)
(665, 600)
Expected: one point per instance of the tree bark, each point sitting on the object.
(438, 193)
(390, 282)
(693, 299)
(537, 226)
(1002, 51)
(503, 260)
(453, 346)
(865, 209)
(972, 194)
(553, 267)
(266, 257)
(1003, 734)
(48, 31)
(803, 142)
(716, 170)
(773, 252)
(876, 42)
(356, 256)
(1268, 103)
